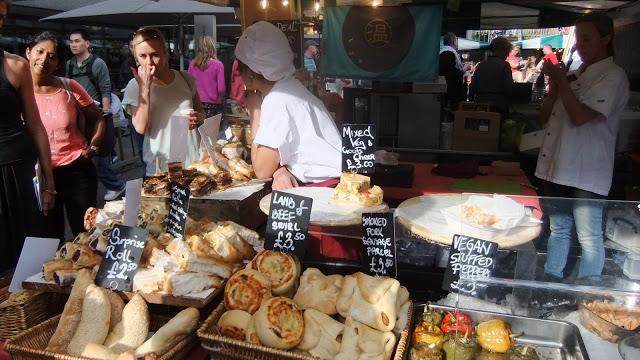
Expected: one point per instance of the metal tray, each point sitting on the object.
(553, 339)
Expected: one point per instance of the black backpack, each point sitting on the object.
(108, 141)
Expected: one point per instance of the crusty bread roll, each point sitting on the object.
(322, 335)
(152, 244)
(318, 291)
(170, 333)
(98, 352)
(51, 266)
(94, 322)
(282, 269)
(369, 300)
(247, 234)
(191, 262)
(132, 330)
(235, 324)
(246, 290)
(279, 323)
(148, 280)
(362, 342)
(230, 234)
(84, 257)
(222, 247)
(67, 250)
(160, 259)
(64, 278)
(71, 314)
(117, 306)
(180, 284)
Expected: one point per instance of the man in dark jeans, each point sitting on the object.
(92, 73)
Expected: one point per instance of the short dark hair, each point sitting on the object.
(82, 32)
(449, 38)
(603, 23)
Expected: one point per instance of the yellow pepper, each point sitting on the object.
(495, 336)
(429, 335)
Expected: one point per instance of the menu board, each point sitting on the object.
(358, 148)
(121, 257)
(288, 223)
(178, 208)
(469, 259)
(293, 31)
(379, 244)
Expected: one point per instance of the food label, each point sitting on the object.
(178, 208)
(358, 148)
(121, 258)
(288, 223)
(379, 244)
(469, 259)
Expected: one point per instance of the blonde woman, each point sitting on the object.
(209, 74)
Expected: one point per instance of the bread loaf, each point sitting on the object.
(322, 335)
(71, 314)
(279, 323)
(64, 278)
(148, 280)
(362, 342)
(94, 322)
(132, 330)
(51, 266)
(180, 284)
(117, 306)
(235, 324)
(318, 291)
(246, 290)
(247, 234)
(170, 334)
(84, 257)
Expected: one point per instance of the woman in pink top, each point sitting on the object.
(209, 74)
(73, 172)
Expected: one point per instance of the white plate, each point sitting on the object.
(325, 213)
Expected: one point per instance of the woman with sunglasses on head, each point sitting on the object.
(63, 105)
(155, 95)
(23, 140)
(295, 139)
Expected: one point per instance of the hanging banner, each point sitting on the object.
(398, 43)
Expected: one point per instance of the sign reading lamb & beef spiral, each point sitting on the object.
(178, 208)
(358, 148)
(288, 223)
(379, 244)
(469, 259)
(121, 257)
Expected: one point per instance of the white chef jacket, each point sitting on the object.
(582, 156)
(297, 124)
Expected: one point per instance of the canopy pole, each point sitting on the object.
(181, 43)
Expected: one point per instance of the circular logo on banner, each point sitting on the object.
(377, 39)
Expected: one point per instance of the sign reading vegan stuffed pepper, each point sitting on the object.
(121, 257)
(178, 208)
(469, 259)
(358, 148)
(288, 223)
(379, 244)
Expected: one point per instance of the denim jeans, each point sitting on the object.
(107, 177)
(585, 210)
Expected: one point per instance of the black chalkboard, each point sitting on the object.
(288, 223)
(178, 209)
(379, 244)
(358, 148)
(469, 258)
(121, 257)
(293, 31)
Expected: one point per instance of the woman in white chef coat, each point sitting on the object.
(295, 139)
(582, 112)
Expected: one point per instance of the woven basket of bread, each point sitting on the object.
(30, 344)
(225, 347)
(26, 309)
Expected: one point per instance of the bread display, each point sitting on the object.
(94, 322)
(369, 300)
(356, 189)
(51, 266)
(181, 284)
(170, 333)
(362, 342)
(279, 323)
(282, 269)
(65, 277)
(131, 331)
(246, 290)
(318, 291)
(322, 335)
(117, 307)
(235, 324)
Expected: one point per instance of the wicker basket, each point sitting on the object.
(20, 317)
(31, 344)
(223, 347)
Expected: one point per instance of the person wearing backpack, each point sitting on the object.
(92, 73)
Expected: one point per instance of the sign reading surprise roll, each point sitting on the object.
(469, 259)
(358, 148)
(288, 223)
(379, 244)
(178, 208)
(121, 258)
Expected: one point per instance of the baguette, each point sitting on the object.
(71, 314)
(132, 330)
(117, 306)
(94, 322)
(171, 333)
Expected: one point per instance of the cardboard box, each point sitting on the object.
(476, 131)
(531, 142)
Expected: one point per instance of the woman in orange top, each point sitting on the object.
(73, 172)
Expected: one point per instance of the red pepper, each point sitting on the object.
(457, 322)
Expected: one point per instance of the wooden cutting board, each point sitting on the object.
(423, 217)
(323, 211)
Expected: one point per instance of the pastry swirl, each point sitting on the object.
(246, 290)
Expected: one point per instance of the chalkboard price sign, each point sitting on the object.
(379, 244)
(288, 223)
(293, 31)
(178, 208)
(469, 259)
(358, 148)
(121, 257)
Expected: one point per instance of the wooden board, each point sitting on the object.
(154, 298)
(325, 213)
(422, 216)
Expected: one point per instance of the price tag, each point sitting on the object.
(469, 259)
(121, 258)
(358, 148)
(379, 244)
(178, 208)
(288, 223)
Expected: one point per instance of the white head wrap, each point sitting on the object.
(265, 50)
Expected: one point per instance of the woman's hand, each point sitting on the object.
(48, 197)
(88, 153)
(282, 179)
(144, 76)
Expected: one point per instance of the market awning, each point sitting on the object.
(466, 44)
(556, 41)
